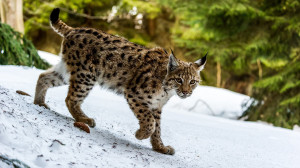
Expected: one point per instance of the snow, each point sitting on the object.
(48, 57)
(211, 101)
(47, 138)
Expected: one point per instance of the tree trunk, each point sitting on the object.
(151, 27)
(12, 14)
(218, 74)
(259, 68)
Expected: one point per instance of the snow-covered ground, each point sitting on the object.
(50, 58)
(47, 138)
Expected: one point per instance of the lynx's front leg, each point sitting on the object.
(144, 115)
(146, 121)
(156, 141)
(149, 121)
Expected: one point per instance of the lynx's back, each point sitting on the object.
(112, 60)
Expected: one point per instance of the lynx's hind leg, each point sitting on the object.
(53, 77)
(81, 83)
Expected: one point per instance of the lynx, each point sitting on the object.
(146, 77)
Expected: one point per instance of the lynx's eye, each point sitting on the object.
(192, 82)
(178, 80)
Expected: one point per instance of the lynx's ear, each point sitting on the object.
(201, 62)
(173, 64)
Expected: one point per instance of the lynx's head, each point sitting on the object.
(182, 76)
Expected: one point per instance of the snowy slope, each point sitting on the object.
(34, 135)
(50, 58)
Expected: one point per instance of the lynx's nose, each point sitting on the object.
(185, 92)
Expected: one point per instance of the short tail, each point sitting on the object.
(59, 26)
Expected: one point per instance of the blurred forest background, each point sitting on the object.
(253, 45)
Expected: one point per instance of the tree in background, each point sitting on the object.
(278, 93)
(132, 19)
(16, 49)
(251, 41)
(11, 13)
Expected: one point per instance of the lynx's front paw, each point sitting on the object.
(168, 150)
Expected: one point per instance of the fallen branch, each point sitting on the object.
(22, 93)
(199, 100)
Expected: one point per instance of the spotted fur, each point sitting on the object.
(146, 77)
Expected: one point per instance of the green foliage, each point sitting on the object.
(16, 49)
(151, 7)
(278, 97)
(240, 33)
(88, 13)
(37, 12)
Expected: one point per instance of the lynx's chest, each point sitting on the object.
(161, 98)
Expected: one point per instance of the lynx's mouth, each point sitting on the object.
(183, 95)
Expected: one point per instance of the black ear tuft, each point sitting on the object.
(165, 51)
(54, 15)
(201, 62)
(203, 59)
(172, 51)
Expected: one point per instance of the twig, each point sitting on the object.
(37, 24)
(199, 100)
(55, 140)
(77, 14)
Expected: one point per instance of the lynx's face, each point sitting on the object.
(184, 77)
